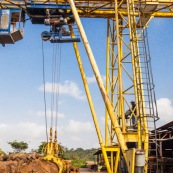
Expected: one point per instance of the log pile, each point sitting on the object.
(26, 163)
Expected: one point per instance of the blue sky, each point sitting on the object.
(21, 96)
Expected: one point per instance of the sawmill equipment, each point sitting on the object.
(128, 72)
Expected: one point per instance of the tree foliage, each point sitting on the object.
(40, 148)
(80, 153)
(78, 156)
(18, 146)
(62, 149)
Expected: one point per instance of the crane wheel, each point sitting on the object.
(45, 35)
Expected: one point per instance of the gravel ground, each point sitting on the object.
(88, 170)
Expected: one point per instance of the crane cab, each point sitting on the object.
(11, 28)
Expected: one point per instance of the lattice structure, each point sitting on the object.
(128, 71)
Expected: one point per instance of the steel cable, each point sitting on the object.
(58, 82)
(56, 67)
(45, 106)
(53, 84)
(56, 63)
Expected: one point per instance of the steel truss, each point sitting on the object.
(125, 60)
(128, 71)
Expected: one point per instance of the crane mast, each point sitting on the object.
(129, 97)
(118, 123)
(129, 76)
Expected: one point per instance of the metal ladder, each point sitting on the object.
(149, 97)
(144, 83)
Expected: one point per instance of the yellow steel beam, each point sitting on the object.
(114, 159)
(119, 43)
(99, 1)
(138, 78)
(106, 99)
(90, 101)
(107, 83)
(81, 68)
(132, 137)
(111, 14)
(101, 9)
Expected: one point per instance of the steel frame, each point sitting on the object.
(94, 8)
(123, 62)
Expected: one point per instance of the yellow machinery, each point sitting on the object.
(51, 150)
(128, 75)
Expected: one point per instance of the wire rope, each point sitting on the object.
(53, 85)
(58, 86)
(45, 105)
(55, 77)
(56, 64)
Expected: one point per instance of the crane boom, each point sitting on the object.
(96, 9)
(129, 93)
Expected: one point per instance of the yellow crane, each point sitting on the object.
(129, 92)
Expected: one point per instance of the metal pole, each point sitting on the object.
(90, 100)
(106, 99)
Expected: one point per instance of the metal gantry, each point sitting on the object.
(128, 74)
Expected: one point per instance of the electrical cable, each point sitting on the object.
(45, 106)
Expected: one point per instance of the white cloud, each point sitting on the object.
(103, 119)
(165, 110)
(104, 78)
(92, 79)
(49, 113)
(68, 88)
(74, 134)
(71, 133)
(79, 134)
(3, 126)
(29, 132)
(80, 127)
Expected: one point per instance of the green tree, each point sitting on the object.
(40, 148)
(18, 146)
(62, 149)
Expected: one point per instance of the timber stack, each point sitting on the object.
(31, 163)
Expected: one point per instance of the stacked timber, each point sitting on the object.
(26, 163)
(30, 163)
